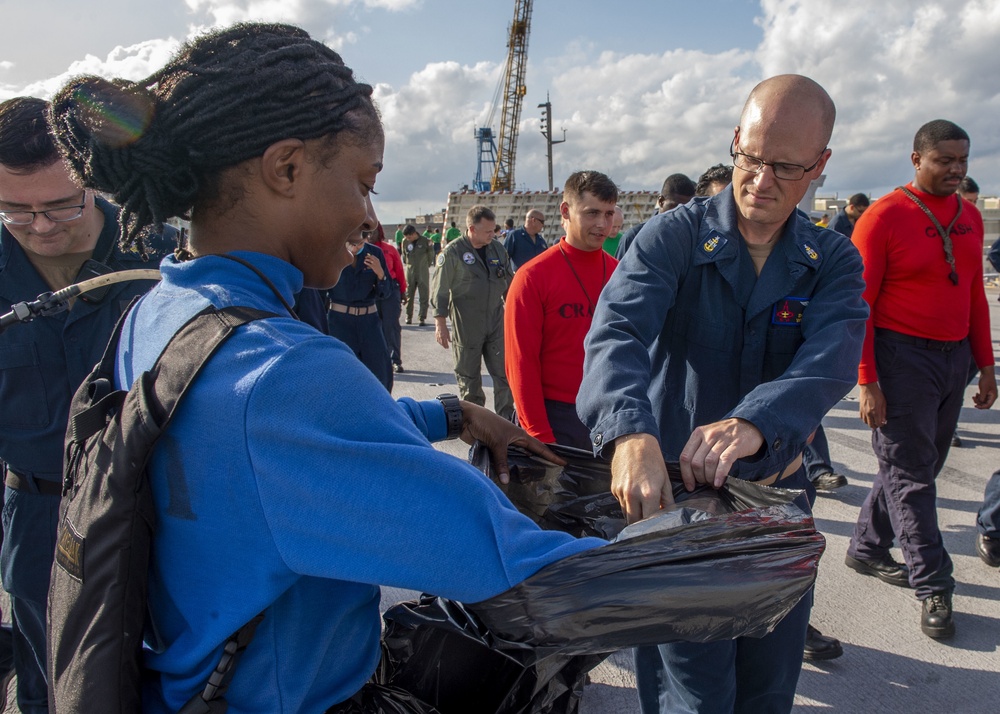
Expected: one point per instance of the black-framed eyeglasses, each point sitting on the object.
(63, 214)
(783, 171)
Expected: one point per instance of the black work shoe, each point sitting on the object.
(829, 481)
(988, 549)
(409, 321)
(398, 368)
(820, 647)
(887, 570)
(955, 441)
(935, 619)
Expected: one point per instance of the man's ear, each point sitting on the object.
(282, 166)
(564, 209)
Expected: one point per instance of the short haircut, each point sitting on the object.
(479, 213)
(409, 230)
(968, 185)
(934, 132)
(678, 187)
(859, 200)
(509, 223)
(720, 173)
(593, 182)
(25, 141)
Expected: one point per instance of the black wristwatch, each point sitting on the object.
(452, 414)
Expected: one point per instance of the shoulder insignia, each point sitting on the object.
(469, 258)
(440, 260)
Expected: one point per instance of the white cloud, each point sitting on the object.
(133, 63)
(226, 12)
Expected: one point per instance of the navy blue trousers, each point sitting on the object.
(363, 334)
(29, 545)
(747, 675)
(988, 520)
(923, 389)
(390, 309)
(816, 456)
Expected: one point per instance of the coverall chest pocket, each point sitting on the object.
(23, 399)
(706, 331)
(783, 341)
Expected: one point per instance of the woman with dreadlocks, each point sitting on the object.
(289, 481)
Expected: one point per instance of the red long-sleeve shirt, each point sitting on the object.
(547, 316)
(906, 274)
(394, 263)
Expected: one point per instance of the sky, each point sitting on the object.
(643, 88)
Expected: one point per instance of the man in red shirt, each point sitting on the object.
(550, 305)
(922, 247)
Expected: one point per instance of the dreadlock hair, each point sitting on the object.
(160, 145)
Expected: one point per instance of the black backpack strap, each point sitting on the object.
(210, 700)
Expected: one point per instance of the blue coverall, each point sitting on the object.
(686, 334)
(41, 365)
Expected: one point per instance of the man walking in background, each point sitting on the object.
(923, 252)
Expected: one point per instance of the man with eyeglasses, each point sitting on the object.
(526, 242)
(53, 234)
(729, 329)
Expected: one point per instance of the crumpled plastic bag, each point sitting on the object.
(719, 564)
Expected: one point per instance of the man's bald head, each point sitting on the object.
(792, 100)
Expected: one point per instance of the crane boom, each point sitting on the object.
(513, 96)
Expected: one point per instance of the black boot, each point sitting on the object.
(935, 619)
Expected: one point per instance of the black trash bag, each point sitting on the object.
(719, 564)
(440, 652)
(376, 698)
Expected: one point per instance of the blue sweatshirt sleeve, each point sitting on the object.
(357, 493)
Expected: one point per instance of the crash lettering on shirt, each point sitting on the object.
(572, 310)
(960, 229)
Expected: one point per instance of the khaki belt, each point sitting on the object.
(348, 310)
(789, 470)
(28, 484)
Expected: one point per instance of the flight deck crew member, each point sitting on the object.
(526, 242)
(418, 254)
(54, 234)
(549, 310)
(353, 314)
(728, 330)
(923, 253)
(470, 283)
(391, 307)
